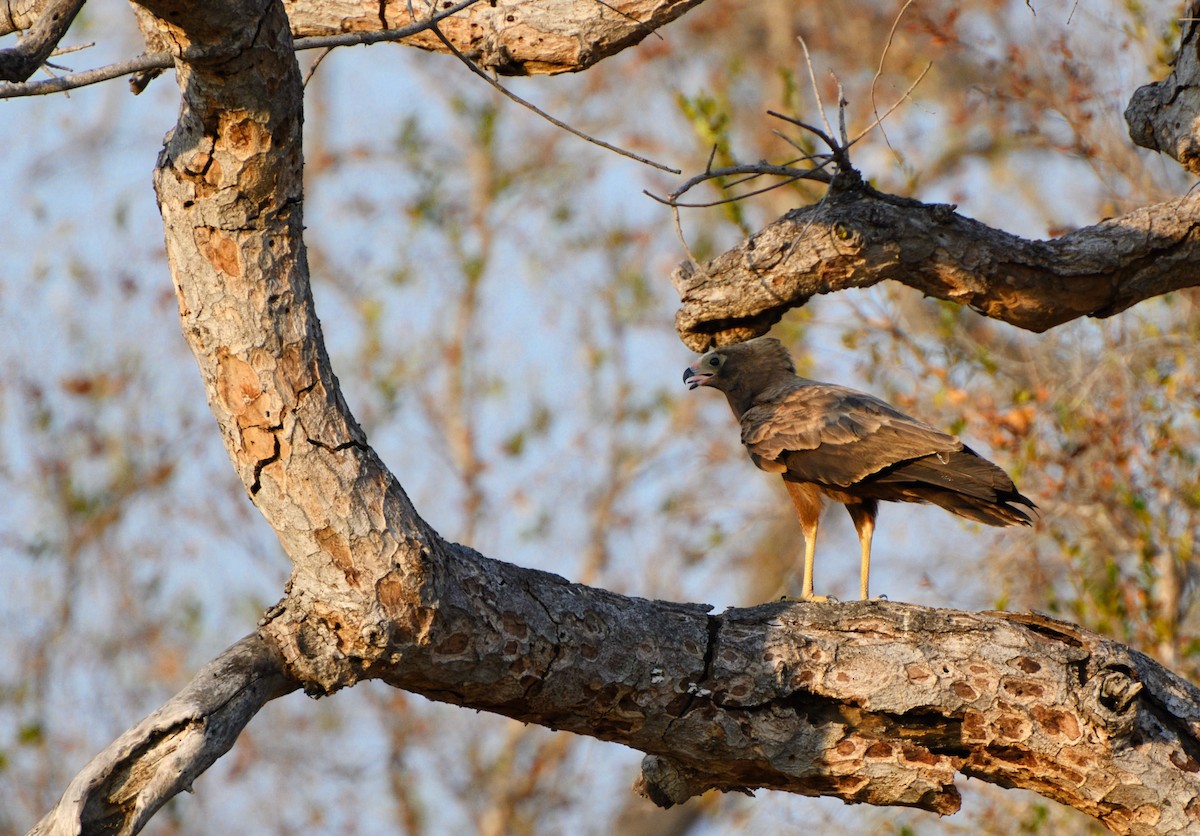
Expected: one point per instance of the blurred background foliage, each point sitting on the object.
(496, 299)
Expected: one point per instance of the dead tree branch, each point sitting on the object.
(124, 785)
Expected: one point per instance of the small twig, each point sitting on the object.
(679, 231)
(812, 77)
(712, 155)
(758, 172)
(66, 50)
(820, 134)
(842, 115)
(158, 61)
(558, 123)
(879, 73)
(313, 69)
(801, 175)
(879, 119)
(790, 175)
(629, 17)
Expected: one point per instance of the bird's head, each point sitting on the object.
(740, 364)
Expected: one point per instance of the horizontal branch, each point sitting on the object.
(122, 787)
(873, 702)
(162, 60)
(536, 37)
(532, 38)
(858, 237)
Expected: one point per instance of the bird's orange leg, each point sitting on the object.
(807, 499)
(863, 515)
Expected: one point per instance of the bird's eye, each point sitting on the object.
(716, 361)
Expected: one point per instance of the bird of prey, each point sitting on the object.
(828, 441)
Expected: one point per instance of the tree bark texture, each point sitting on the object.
(508, 37)
(870, 702)
(1162, 116)
(857, 237)
(123, 786)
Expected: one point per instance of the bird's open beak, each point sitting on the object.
(694, 378)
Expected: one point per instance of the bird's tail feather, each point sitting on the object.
(963, 483)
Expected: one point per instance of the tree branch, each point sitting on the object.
(163, 60)
(857, 237)
(535, 37)
(20, 62)
(871, 702)
(545, 37)
(1161, 116)
(121, 788)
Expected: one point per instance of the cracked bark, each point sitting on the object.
(871, 702)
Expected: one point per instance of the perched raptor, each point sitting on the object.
(830, 441)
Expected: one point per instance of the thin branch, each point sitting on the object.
(879, 73)
(158, 61)
(316, 63)
(790, 175)
(142, 63)
(813, 129)
(907, 93)
(630, 18)
(812, 77)
(558, 123)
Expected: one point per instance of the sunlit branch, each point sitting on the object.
(163, 61)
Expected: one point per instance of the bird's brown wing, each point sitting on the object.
(831, 435)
